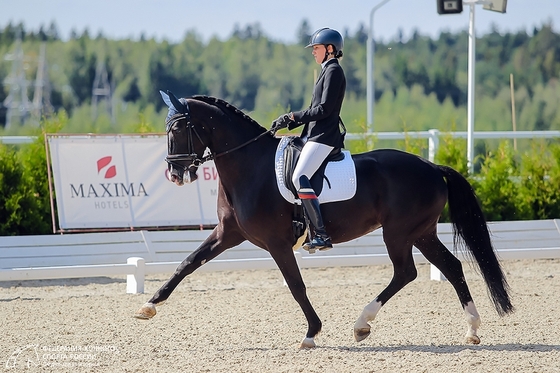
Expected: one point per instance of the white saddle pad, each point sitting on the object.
(341, 175)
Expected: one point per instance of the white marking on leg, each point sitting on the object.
(361, 327)
(307, 343)
(368, 314)
(473, 323)
(147, 311)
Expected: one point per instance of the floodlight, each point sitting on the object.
(496, 6)
(449, 6)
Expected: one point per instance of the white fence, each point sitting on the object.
(432, 136)
(138, 253)
(144, 252)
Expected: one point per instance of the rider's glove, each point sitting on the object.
(282, 122)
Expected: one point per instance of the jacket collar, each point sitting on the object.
(332, 60)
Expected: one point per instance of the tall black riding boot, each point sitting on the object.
(320, 240)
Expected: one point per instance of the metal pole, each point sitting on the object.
(512, 89)
(470, 91)
(370, 94)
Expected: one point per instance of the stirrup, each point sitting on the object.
(318, 243)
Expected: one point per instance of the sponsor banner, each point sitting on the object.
(122, 181)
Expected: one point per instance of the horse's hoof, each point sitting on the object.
(361, 334)
(147, 311)
(307, 343)
(472, 339)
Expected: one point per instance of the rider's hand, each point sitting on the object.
(282, 122)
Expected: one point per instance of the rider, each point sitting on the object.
(321, 132)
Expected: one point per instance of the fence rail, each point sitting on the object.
(432, 136)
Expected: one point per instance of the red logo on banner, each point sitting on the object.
(104, 162)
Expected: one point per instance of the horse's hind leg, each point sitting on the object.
(404, 271)
(437, 254)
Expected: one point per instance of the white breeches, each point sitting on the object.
(312, 155)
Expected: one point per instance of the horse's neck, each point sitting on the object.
(249, 166)
(233, 129)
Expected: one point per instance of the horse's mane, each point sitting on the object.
(226, 107)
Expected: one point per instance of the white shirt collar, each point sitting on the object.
(326, 62)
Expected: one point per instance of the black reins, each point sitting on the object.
(190, 155)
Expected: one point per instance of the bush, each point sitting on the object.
(508, 186)
(540, 180)
(453, 153)
(21, 210)
(497, 186)
(24, 187)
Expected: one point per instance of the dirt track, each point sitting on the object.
(247, 321)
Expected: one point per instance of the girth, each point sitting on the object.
(292, 151)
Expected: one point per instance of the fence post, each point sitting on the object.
(135, 282)
(435, 274)
(433, 144)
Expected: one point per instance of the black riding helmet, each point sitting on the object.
(327, 36)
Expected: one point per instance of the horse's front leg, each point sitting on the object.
(215, 244)
(286, 261)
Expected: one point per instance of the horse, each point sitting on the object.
(398, 191)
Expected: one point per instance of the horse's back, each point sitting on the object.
(401, 175)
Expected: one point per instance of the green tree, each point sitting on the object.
(82, 67)
(303, 33)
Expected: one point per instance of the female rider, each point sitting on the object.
(321, 132)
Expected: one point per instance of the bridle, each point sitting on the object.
(190, 157)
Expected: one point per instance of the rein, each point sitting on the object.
(191, 156)
(214, 156)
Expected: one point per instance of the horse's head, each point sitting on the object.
(185, 148)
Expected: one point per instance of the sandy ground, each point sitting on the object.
(247, 321)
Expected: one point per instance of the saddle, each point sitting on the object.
(291, 154)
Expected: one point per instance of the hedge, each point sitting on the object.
(510, 185)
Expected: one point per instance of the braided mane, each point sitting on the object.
(226, 107)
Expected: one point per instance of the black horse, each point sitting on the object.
(403, 193)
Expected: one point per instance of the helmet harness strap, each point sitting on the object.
(327, 54)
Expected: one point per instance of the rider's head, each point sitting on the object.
(328, 39)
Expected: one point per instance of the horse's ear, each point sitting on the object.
(178, 105)
(166, 99)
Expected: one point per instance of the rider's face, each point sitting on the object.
(319, 53)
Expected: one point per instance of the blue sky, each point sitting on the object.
(279, 19)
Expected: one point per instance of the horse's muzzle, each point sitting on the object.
(181, 177)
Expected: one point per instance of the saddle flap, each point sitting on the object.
(291, 154)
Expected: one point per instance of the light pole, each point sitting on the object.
(370, 94)
(470, 87)
(470, 78)
(456, 6)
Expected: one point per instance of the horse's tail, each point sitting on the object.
(470, 230)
